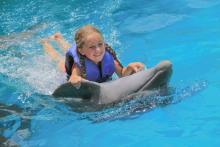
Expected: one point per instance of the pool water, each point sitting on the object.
(186, 32)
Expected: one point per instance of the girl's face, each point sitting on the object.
(94, 47)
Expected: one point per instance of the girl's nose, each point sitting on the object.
(98, 48)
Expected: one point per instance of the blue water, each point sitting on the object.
(185, 31)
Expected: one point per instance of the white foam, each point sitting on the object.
(38, 72)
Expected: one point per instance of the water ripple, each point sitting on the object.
(136, 24)
(202, 3)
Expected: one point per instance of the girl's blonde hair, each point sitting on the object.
(83, 32)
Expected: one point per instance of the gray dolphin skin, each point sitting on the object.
(8, 124)
(116, 90)
(16, 38)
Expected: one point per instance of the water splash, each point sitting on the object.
(36, 70)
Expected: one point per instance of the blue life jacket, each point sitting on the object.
(93, 71)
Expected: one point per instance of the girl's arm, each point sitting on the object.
(124, 71)
(75, 77)
(129, 70)
(118, 68)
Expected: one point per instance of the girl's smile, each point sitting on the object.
(94, 47)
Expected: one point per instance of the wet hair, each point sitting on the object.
(80, 37)
(110, 50)
(83, 32)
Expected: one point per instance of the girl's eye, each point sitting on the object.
(92, 47)
(100, 44)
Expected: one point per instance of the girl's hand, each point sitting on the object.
(75, 81)
(133, 68)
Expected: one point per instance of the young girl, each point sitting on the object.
(89, 57)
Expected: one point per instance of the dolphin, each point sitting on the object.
(116, 90)
(24, 124)
(16, 38)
